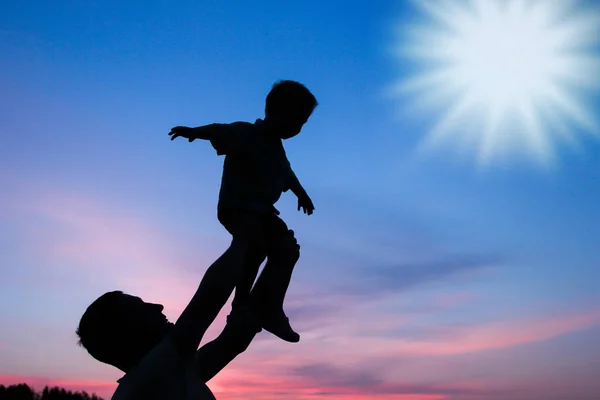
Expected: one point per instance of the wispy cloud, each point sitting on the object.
(359, 286)
(361, 359)
(454, 340)
(359, 333)
(98, 243)
(376, 280)
(325, 381)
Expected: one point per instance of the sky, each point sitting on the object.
(424, 275)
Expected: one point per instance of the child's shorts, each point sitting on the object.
(262, 229)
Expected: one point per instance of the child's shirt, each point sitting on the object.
(256, 170)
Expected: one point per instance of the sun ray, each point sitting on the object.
(564, 103)
(581, 71)
(445, 12)
(561, 128)
(425, 82)
(515, 71)
(426, 45)
(443, 129)
(539, 142)
(488, 139)
(582, 31)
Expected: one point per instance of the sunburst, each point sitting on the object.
(503, 76)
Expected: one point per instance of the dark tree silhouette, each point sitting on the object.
(23, 391)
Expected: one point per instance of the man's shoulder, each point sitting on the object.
(157, 373)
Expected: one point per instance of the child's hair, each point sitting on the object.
(290, 95)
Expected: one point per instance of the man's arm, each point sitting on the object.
(212, 294)
(242, 326)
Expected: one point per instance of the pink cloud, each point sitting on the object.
(133, 253)
(271, 363)
(500, 334)
(242, 386)
(91, 230)
(454, 299)
(92, 239)
(454, 341)
(257, 384)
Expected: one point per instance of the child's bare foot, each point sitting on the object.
(279, 325)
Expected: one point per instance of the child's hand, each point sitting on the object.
(306, 204)
(182, 131)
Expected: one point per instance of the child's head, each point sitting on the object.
(288, 106)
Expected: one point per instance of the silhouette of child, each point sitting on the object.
(256, 172)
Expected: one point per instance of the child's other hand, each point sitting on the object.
(182, 131)
(306, 204)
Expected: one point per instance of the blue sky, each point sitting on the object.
(94, 190)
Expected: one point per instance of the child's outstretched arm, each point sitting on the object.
(304, 200)
(205, 132)
(225, 138)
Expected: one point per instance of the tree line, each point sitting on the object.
(23, 391)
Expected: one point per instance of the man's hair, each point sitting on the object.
(99, 328)
(290, 95)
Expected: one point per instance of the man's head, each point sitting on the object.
(288, 106)
(120, 329)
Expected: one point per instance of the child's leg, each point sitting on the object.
(219, 281)
(251, 264)
(248, 228)
(270, 289)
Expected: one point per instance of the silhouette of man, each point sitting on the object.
(161, 360)
(256, 172)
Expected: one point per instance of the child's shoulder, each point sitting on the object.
(242, 125)
(244, 129)
(239, 135)
(240, 129)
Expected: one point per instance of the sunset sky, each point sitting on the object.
(424, 275)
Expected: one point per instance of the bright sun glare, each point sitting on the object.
(509, 74)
